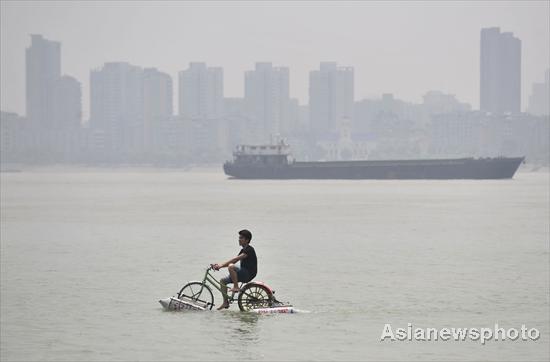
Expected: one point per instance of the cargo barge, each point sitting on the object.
(276, 162)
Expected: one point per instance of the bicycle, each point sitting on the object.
(252, 295)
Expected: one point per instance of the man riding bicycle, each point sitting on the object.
(245, 273)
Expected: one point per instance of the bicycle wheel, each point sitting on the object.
(253, 296)
(197, 292)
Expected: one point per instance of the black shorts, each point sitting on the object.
(243, 276)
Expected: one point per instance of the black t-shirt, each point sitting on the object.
(249, 263)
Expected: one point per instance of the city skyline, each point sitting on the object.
(206, 83)
(133, 116)
(133, 120)
(371, 78)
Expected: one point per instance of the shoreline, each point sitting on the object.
(203, 168)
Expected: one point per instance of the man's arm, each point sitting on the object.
(230, 261)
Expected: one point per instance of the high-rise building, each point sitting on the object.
(43, 70)
(68, 103)
(331, 95)
(201, 92)
(116, 103)
(157, 102)
(540, 97)
(500, 72)
(267, 99)
(13, 136)
(436, 102)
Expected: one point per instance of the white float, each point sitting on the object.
(176, 304)
(286, 309)
(180, 304)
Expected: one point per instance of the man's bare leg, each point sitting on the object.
(225, 303)
(234, 278)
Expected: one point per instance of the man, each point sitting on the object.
(247, 271)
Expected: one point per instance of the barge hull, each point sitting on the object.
(445, 169)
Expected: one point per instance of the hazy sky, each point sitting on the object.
(405, 48)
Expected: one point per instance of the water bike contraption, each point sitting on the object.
(256, 297)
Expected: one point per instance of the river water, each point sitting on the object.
(87, 253)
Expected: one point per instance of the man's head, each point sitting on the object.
(244, 237)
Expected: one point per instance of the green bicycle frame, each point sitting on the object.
(215, 283)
